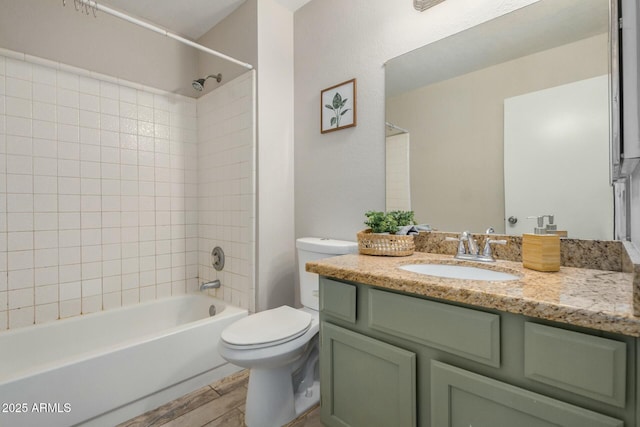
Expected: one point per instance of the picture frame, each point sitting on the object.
(338, 107)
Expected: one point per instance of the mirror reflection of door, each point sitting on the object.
(544, 133)
(398, 186)
(450, 94)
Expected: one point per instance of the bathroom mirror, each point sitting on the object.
(506, 120)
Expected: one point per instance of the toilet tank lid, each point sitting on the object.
(326, 246)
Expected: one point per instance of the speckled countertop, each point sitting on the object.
(596, 299)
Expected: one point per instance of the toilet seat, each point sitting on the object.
(267, 328)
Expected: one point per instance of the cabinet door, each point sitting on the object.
(365, 382)
(463, 399)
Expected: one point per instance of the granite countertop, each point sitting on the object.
(596, 299)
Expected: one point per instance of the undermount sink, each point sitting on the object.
(459, 272)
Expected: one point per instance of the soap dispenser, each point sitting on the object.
(552, 228)
(541, 251)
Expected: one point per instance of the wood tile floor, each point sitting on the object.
(220, 404)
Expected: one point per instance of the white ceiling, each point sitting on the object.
(189, 18)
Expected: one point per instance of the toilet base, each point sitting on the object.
(270, 400)
(306, 399)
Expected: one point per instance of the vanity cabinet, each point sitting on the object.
(462, 398)
(372, 383)
(393, 359)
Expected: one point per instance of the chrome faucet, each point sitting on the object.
(214, 284)
(471, 252)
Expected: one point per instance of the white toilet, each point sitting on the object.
(280, 346)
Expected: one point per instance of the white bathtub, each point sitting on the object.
(104, 368)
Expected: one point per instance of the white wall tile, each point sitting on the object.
(44, 130)
(46, 258)
(19, 69)
(21, 317)
(18, 88)
(19, 202)
(45, 203)
(19, 222)
(68, 238)
(19, 164)
(68, 81)
(17, 241)
(46, 312)
(46, 239)
(92, 304)
(68, 132)
(71, 273)
(70, 308)
(45, 276)
(45, 166)
(18, 107)
(20, 260)
(102, 191)
(68, 167)
(20, 279)
(44, 93)
(45, 147)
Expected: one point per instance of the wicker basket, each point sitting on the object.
(384, 244)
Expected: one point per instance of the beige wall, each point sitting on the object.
(276, 245)
(457, 132)
(340, 175)
(236, 36)
(104, 44)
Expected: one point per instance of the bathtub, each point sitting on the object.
(104, 368)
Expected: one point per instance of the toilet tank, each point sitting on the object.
(311, 249)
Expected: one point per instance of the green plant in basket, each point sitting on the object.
(380, 222)
(403, 218)
(389, 222)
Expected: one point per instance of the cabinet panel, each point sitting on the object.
(338, 299)
(590, 366)
(461, 398)
(365, 382)
(468, 333)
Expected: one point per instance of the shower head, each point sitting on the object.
(199, 83)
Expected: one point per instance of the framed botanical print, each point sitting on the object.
(338, 107)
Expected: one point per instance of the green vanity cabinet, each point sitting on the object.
(367, 382)
(393, 359)
(461, 398)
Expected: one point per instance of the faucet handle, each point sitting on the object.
(460, 241)
(487, 246)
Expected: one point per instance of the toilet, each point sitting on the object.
(280, 346)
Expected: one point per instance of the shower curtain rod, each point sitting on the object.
(166, 33)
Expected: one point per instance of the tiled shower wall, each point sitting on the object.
(98, 193)
(226, 188)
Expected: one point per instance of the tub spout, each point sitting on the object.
(214, 284)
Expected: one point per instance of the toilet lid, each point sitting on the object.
(278, 324)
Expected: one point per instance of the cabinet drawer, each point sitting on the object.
(583, 364)
(338, 299)
(463, 398)
(468, 333)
